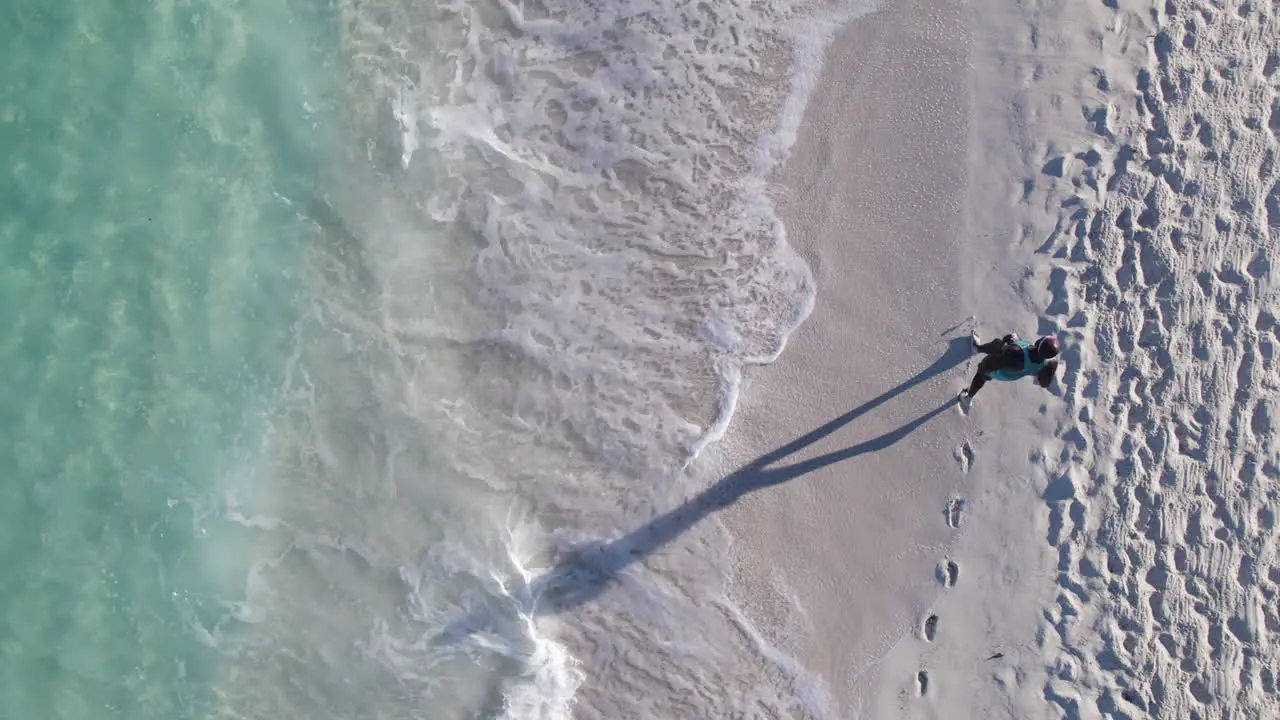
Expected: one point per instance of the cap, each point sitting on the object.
(1047, 347)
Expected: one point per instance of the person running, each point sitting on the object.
(1010, 359)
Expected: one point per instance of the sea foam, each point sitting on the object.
(537, 281)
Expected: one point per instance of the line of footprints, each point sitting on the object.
(948, 571)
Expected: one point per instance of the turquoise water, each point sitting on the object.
(148, 253)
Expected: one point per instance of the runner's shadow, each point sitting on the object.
(585, 572)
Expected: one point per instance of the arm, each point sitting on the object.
(1044, 378)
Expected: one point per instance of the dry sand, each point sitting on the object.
(1102, 170)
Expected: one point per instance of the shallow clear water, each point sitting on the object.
(351, 354)
(150, 275)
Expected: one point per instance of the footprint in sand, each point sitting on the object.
(948, 573)
(930, 627)
(922, 683)
(965, 455)
(954, 509)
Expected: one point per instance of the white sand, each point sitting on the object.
(1107, 173)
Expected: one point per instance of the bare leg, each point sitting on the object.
(979, 380)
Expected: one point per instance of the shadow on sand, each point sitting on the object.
(584, 573)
